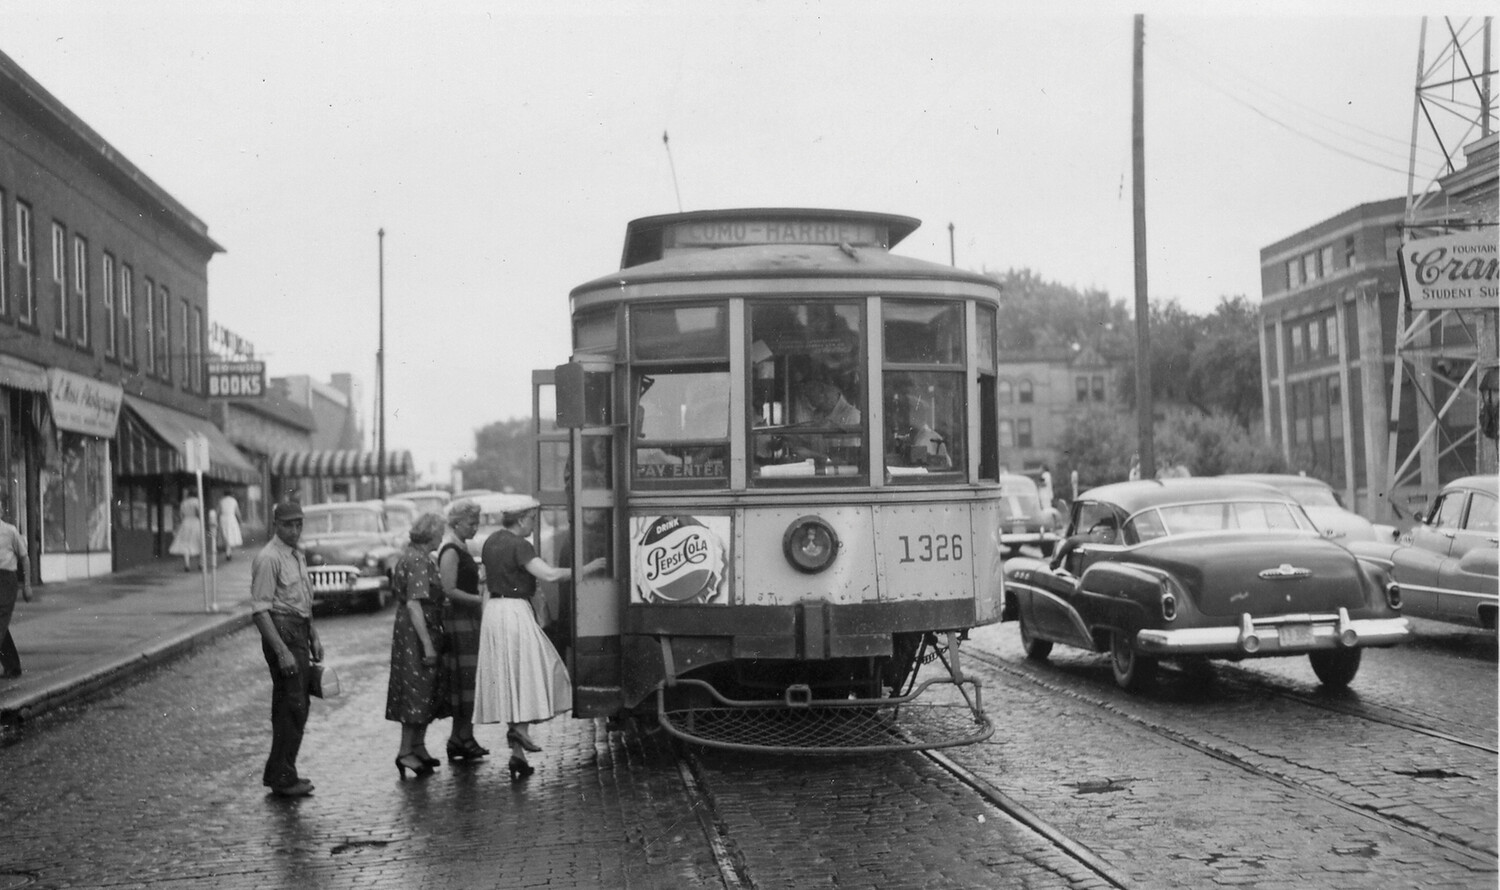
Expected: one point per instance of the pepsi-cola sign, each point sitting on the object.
(679, 559)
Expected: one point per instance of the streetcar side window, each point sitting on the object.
(989, 426)
(680, 376)
(924, 391)
(807, 392)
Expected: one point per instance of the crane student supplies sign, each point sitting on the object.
(1452, 271)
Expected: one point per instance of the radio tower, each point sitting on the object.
(1443, 381)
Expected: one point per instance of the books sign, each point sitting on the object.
(236, 380)
(1452, 271)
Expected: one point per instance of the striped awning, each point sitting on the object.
(173, 427)
(303, 464)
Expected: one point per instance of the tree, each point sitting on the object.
(502, 457)
(1101, 444)
(1038, 314)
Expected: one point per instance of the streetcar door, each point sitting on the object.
(577, 439)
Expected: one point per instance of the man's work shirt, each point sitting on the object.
(12, 548)
(278, 581)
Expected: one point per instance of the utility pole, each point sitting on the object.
(1145, 409)
(380, 371)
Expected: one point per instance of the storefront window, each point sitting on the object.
(75, 494)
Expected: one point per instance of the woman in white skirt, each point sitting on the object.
(519, 679)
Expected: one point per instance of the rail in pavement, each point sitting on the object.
(80, 636)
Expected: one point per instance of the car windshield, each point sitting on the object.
(325, 522)
(1179, 519)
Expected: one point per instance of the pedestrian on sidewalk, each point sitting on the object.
(465, 607)
(229, 524)
(187, 540)
(12, 578)
(281, 603)
(413, 697)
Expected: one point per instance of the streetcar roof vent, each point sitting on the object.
(651, 238)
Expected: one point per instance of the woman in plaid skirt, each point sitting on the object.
(465, 607)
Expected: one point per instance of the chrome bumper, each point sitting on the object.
(342, 581)
(1281, 635)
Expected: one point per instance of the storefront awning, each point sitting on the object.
(304, 464)
(17, 373)
(224, 460)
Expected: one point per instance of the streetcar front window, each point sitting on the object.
(680, 356)
(924, 391)
(807, 393)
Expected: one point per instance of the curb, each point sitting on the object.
(106, 673)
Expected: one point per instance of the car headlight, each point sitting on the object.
(315, 559)
(810, 545)
(370, 561)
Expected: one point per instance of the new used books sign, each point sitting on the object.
(1452, 271)
(236, 380)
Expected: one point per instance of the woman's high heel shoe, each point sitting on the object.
(465, 749)
(520, 769)
(417, 765)
(426, 758)
(517, 738)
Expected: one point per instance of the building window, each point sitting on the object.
(127, 315)
(197, 350)
(164, 332)
(80, 290)
(59, 281)
(1315, 339)
(149, 293)
(1299, 354)
(1293, 274)
(1351, 259)
(1007, 434)
(1098, 383)
(185, 346)
(107, 298)
(1331, 335)
(4, 264)
(1081, 388)
(1310, 267)
(1325, 260)
(1023, 392)
(26, 293)
(1005, 392)
(1023, 432)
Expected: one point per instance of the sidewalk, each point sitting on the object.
(80, 636)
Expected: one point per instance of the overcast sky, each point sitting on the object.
(503, 147)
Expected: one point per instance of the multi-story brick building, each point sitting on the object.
(1039, 391)
(103, 315)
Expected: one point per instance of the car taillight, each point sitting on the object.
(1393, 594)
(1168, 602)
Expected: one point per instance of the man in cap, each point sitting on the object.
(281, 603)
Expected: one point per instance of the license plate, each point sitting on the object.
(1294, 635)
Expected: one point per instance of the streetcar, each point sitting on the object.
(782, 440)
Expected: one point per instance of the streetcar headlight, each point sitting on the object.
(810, 545)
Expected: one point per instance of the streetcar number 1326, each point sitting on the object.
(932, 548)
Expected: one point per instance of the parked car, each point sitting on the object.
(1321, 503)
(399, 517)
(1447, 563)
(350, 552)
(428, 500)
(1024, 519)
(1202, 568)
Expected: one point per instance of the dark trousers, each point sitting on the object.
(10, 659)
(289, 700)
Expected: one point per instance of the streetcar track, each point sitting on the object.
(1408, 826)
(735, 873)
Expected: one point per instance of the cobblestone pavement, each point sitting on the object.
(1223, 784)
(158, 784)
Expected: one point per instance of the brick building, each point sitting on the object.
(103, 314)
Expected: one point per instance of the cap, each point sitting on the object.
(286, 511)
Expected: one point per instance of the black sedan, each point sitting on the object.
(1202, 568)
